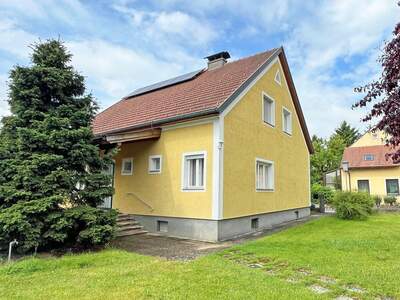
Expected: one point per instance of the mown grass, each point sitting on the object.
(365, 255)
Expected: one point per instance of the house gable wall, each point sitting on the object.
(247, 137)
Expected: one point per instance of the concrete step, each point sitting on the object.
(125, 218)
(131, 232)
(127, 228)
(127, 223)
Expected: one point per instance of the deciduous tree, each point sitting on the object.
(384, 94)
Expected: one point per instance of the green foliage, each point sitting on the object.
(347, 133)
(377, 199)
(353, 205)
(389, 200)
(327, 156)
(318, 191)
(48, 160)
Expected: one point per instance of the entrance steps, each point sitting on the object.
(127, 226)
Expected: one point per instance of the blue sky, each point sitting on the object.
(332, 46)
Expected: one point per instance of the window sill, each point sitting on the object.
(126, 174)
(154, 172)
(287, 133)
(186, 189)
(269, 124)
(265, 190)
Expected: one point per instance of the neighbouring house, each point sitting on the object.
(366, 167)
(212, 154)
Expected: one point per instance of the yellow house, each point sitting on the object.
(366, 168)
(212, 154)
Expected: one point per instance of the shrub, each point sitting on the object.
(318, 191)
(389, 200)
(42, 223)
(353, 205)
(377, 200)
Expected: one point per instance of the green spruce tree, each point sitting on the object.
(51, 172)
(348, 134)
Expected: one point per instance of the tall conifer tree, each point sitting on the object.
(48, 161)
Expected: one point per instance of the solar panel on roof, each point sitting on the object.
(165, 83)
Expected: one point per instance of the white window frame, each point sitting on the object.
(398, 184)
(153, 171)
(278, 72)
(130, 159)
(370, 155)
(290, 131)
(184, 179)
(263, 96)
(271, 188)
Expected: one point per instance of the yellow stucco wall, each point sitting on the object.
(376, 176)
(163, 191)
(246, 137)
(370, 139)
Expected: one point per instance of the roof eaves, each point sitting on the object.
(161, 122)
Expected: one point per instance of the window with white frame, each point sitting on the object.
(155, 164)
(286, 120)
(127, 166)
(264, 175)
(278, 77)
(268, 110)
(194, 171)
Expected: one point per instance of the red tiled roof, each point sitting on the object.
(206, 91)
(355, 156)
(205, 94)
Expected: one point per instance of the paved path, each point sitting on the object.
(184, 249)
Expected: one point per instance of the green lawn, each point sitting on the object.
(353, 258)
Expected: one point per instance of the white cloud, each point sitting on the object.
(15, 40)
(64, 11)
(171, 26)
(115, 70)
(315, 47)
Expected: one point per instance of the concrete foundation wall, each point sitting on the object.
(212, 230)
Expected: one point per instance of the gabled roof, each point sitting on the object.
(355, 157)
(205, 93)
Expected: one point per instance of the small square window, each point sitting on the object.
(155, 164)
(286, 120)
(392, 187)
(194, 172)
(162, 226)
(268, 110)
(278, 77)
(369, 157)
(363, 185)
(127, 166)
(264, 175)
(254, 223)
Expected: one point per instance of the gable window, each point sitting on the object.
(194, 171)
(369, 157)
(363, 186)
(155, 164)
(127, 166)
(286, 120)
(278, 77)
(392, 187)
(268, 110)
(264, 175)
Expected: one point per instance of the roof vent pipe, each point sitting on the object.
(217, 60)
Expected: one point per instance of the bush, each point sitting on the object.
(389, 200)
(318, 191)
(377, 199)
(43, 224)
(353, 205)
